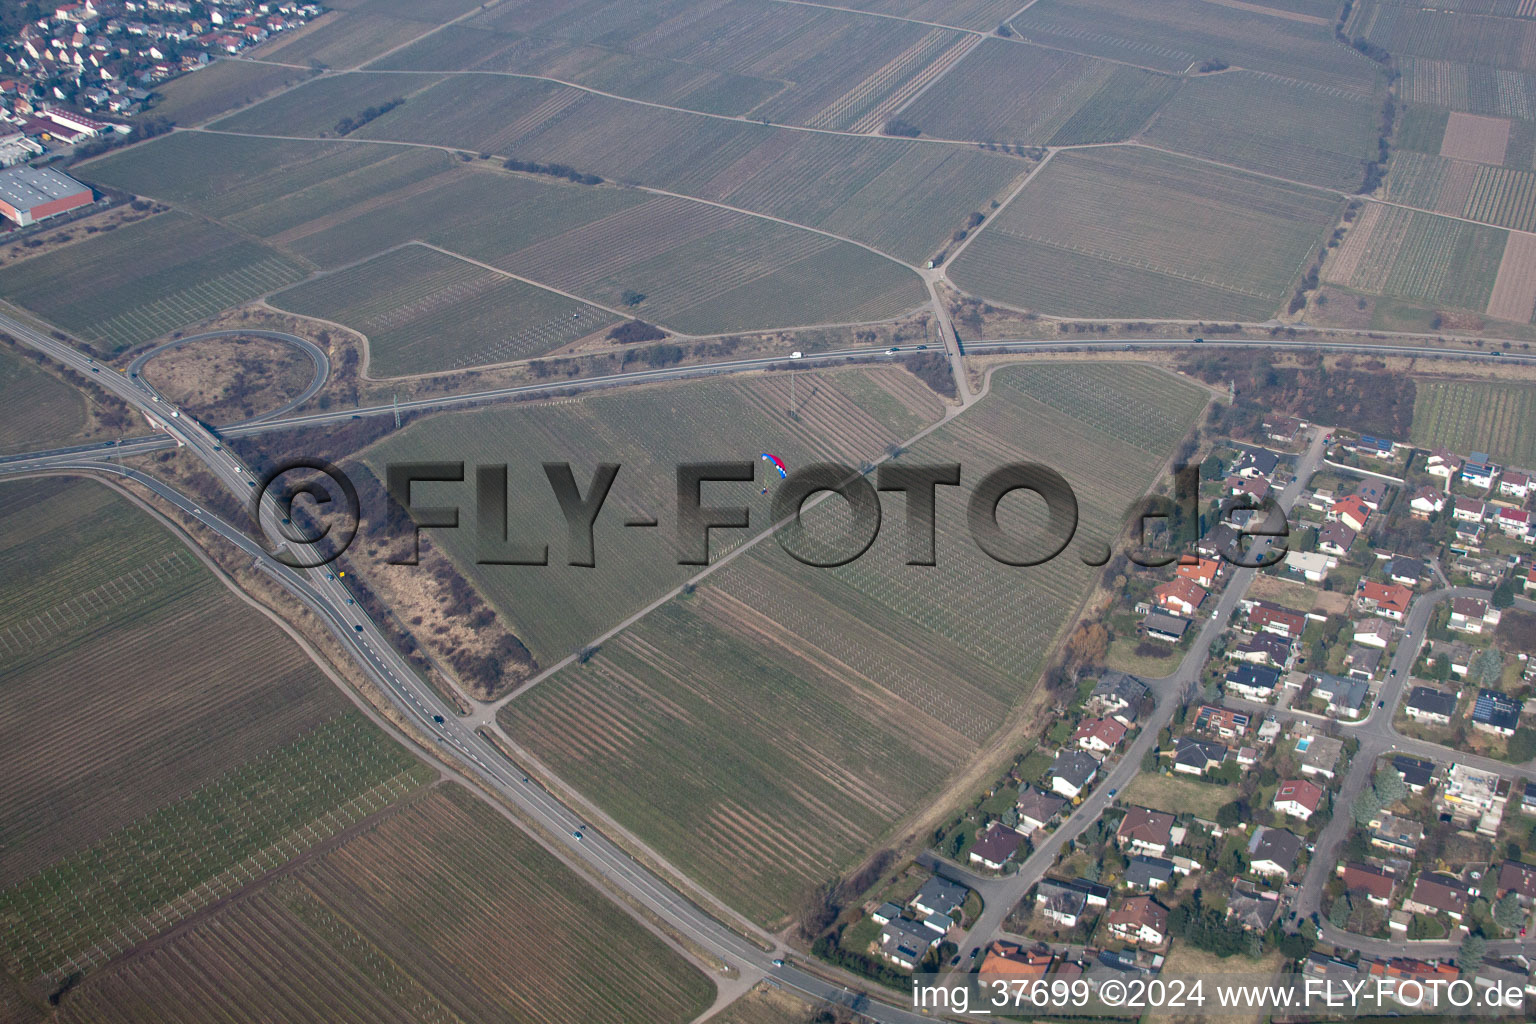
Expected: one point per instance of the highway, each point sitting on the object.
(324, 594)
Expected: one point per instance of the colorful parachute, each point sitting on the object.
(778, 464)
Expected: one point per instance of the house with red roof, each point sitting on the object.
(1298, 798)
(1180, 596)
(1387, 600)
(1352, 511)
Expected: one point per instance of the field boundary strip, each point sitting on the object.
(101, 598)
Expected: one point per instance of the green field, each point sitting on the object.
(1157, 235)
(128, 807)
(1294, 130)
(422, 310)
(796, 714)
(145, 280)
(36, 408)
(1172, 35)
(1468, 416)
(221, 87)
(1013, 93)
(1421, 256)
(844, 415)
(441, 912)
(315, 109)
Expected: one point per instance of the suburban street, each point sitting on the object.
(1168, 693)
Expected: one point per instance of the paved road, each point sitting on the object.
(1168, 692)
(317, 356)
(325, 595)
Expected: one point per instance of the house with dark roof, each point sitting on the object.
(1250, 908)
(1165, 627)
(1272, 618)
(1397, 835)
(1255, 682)
(1140, 920)
(1405, 571)
(1417, 772)
(1496, 712)
(1263, 649)
(1429, 705)
(1148, 874)
(1345, 695)
(1519, 879)
(1037, 808)
(1335, 539)
(996, 846)
(1061, 906)
(1256, 462)
(1116, 693)
(1072, 772)
(1146, 831)
(905, 942)
(1362, 662)
(1221, 541)
(939, 896)
(1224, 722)
(1329, 968)
(1273, 851)
(1438, 894)
(1196, 757)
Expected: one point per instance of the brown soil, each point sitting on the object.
(225, 380)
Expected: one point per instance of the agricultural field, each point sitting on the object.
(1011, 92)
(1439, 34)
(1173, 35)
(1471, 88)
(810, 685)
(846, 416)
(317, 108)
(899, 196)
(120, 289)
(766, 1004)
(442, 911)
(211, 704)
(223, 86)
(1468, 416)
(1514, 290)
(1318, 135)
(362, 31)
(37, 410)
(1471, 137)
(1431, 182)
(789, 64)
(1157, 234)
(423, 310)
(982, 15)
(1421, 256)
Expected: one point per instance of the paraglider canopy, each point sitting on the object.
(778, 464)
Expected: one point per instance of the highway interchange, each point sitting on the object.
(320, 591)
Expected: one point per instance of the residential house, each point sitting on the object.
(1148, 874)
(1426, 501)
(1351, 511)
(1064, 908)
(1329, 968)
(1281, 428)
(1346, 695)
(1434, 707)
(1196, 757)
(905, 942)
(996, 846)
(1429, 980)
(1514, 522)
(885, 913)
(1168, 628)
(1406, 571)
(1250, 908)
(1397, 835)
(1269, 731)
(1114, 694)
(1478, 470)
(1298, 798)
(1438, 894)
(1099, 735)
(1010, 962)
(1376, 447)
(1140, 920)
(1273, 852)
(1221, 541)
(1387, 600)
(1377, 885)
(1257, 462)
(1319, 755)
(1201, 571)
(1362, 662)
(1255, 682)
(1224, 722)
(939, 896)
(1335, 538)
(1471, 795)
(1469, 510)
(1312, 566)
(1471, 614)
(1037, 808)
(1072, 772)
(1519, 879)
(1515, 483)
(1272, 618)
(1373, 632)
(1496, 712)
(1146, 831)
(1263, 649)
(1442, 464)
(1372, 492)
(1418, 773)
(1179, 596)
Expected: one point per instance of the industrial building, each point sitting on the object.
(31, 194)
